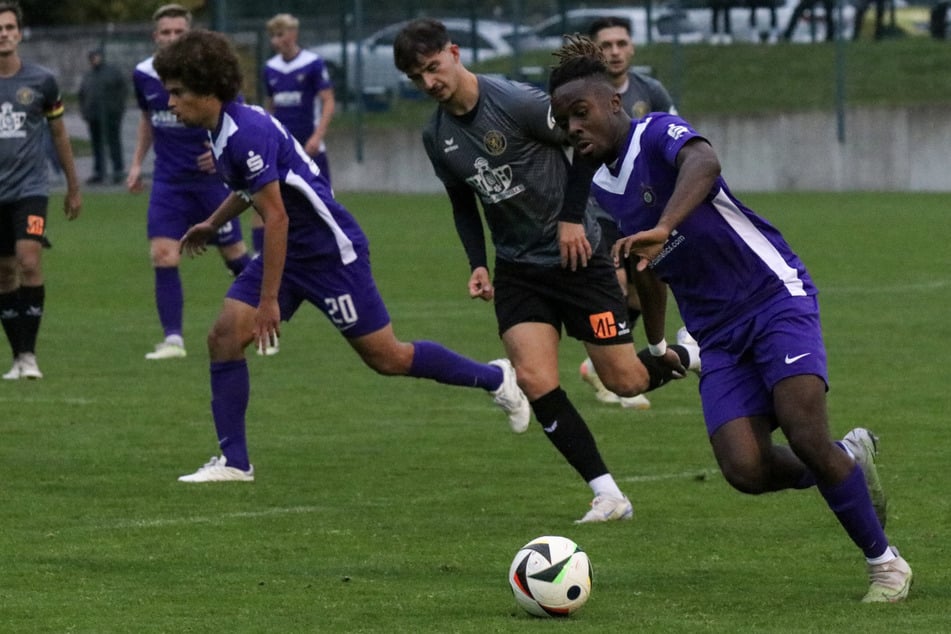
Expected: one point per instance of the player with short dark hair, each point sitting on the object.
(314, 251)
(30, 104)
(184, 187)
(494, 140)
(742, 291)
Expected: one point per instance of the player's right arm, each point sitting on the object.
(196, 238)
(468, 221)
(143, 141)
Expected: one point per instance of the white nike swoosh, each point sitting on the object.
(790, 360)
(553, 427)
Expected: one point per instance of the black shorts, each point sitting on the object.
(23, 219)
(587, 302)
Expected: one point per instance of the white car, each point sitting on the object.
(548, 33)
(379, 73)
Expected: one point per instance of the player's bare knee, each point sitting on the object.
(626, 384)
(746, 477)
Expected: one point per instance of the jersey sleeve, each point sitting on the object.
(322, 79)
(531, 109)
(52, 99)
(442, 170)
(253, 156)
(668, 134)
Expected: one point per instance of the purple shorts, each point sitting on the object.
(346, 294)
(742, 365)
(173, 208)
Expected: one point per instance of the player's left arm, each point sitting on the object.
(327, 107)
(73, 203)
(270, 205)
(652, 293)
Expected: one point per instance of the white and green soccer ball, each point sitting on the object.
(550, 576)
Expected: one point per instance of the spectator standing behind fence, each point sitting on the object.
(720, 13)
(102, 95)
(861, 8)
(299, 94)
(828, 7)
(31, 104)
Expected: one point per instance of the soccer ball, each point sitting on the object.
(550, 576)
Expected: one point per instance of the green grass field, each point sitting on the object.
(394, 505)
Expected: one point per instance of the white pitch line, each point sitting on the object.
(209, 519)
(702, 474)
(32, 399)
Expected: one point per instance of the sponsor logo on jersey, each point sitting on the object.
(494, 184)
(494, 142)
(450, 144)
(605, 326)
(165, 119)
(11, 121)
(255, 162)
(288, 98)
(675, 131)
(674, 241)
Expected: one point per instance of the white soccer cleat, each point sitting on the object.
(217, 470)
(14, 372)
(590, 376)
(863, 445)
(28, 367)
(167, 350)
(686, 340)
(888, 582)
(606, 508)
(640, 402)
(509, 397)
(269, 350)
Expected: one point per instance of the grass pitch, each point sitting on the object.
(394, 505)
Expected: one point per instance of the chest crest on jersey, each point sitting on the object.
(648, 195)
(25, 96)
(494, 142)
(639, 109)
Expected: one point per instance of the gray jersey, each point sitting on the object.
(27, 100)
(508, 150)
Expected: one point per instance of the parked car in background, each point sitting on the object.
(547, 34)
(380, 75)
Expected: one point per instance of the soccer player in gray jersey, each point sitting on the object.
(494, 139)
(640, 94)
(30, 103)
(744, 292)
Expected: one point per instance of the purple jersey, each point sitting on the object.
(293, 87)
(251, 149)
(177, 147)
(723, 263)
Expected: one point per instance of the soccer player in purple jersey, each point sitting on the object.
(31, 105)
(314, 251)
(640, 94)
(742, 292)
(298, 87)
(184, 188)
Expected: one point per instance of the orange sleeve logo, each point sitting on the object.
(35, 225)
(603, 325)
